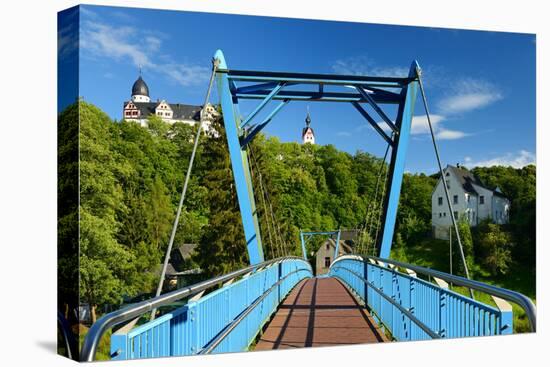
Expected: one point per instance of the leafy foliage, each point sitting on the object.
(494, 247)
(131, 181)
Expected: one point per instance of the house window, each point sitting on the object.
(455, 199)
(482, 199)
(455, 214)
(444, 214)
(327, 262)
(448, 184)
(328, 246)
(439, 215)
(440, 201)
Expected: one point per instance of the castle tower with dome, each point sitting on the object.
(140, 107)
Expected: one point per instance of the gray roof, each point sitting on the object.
(180, 111)
(140, 88)
(467, 179)
(185, 249)
(349, 234)
(305, 130)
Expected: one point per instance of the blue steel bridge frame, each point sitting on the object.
(375, 91)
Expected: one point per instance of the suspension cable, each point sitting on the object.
(379, 209)
(372, 204)
(262, 196)
(283, 242)
(453, 220)
(275, 223)
(215, 64)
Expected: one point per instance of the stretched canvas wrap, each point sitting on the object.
(233, 183)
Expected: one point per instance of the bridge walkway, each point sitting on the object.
(320, 312)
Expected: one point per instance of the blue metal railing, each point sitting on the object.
(225, 320)
(415, 309)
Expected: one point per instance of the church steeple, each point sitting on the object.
(308, 136)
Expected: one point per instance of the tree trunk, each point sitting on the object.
(93, 313)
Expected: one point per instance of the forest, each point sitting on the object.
(130, 180)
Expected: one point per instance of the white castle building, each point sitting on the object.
(140, 107)
(470, 198)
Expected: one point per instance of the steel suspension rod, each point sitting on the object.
(447, 195)
(215, 63)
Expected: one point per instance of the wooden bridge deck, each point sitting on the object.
(320, 312)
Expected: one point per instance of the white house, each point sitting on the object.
(470, 199)
(325, 255)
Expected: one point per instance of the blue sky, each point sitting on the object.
(480, 85)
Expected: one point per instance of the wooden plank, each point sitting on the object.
(320, 312)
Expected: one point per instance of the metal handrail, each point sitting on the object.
(409, 314)
(515, 297)
(215, 342)
(106, 322)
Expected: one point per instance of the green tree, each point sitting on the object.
(467, 246)
(494, 247)
(105, 265)
(221, 248)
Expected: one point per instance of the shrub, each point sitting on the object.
(494, 247)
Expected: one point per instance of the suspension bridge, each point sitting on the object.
(276, 302)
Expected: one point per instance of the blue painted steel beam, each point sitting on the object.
(266, 100)
(325, 96)
(240, 166)
(397, 163)
(258, 87)
(248, 138)
(246, 75)
(373, 123)
(375, 106)
(337, 247)
(303, 242)
(323, 81)
(320, 232)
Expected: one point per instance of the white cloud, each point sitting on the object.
(419, 126)
(516, 160)
(186, 75)
(469, 94)
(446, 134)
(118, 43)
(128, 44)
(67, 35)
(362, 65)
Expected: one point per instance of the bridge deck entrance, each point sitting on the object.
(320, 312)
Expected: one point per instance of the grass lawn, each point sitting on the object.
(434, 254)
